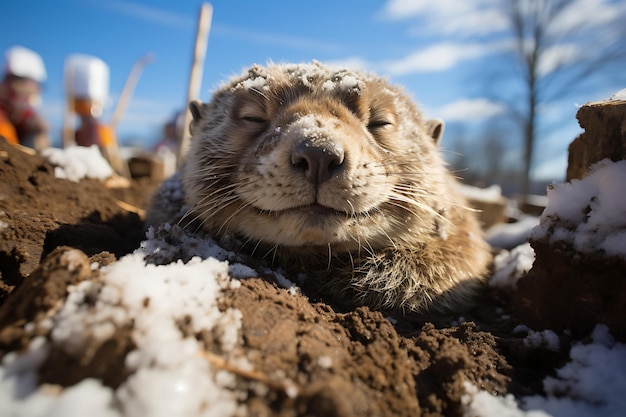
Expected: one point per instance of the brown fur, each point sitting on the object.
(335, 173)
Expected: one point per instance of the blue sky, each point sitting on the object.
(439, 51)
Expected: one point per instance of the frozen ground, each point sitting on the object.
(169, 370)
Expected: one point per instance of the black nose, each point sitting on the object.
(318, 160)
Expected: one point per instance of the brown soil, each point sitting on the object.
(346, 363)
(583, 289)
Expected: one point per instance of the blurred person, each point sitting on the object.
(167, 148)
(172, 134)
(87, 88)
(91, 131)
(20, 94)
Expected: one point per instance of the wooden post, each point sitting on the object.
(113, 148)
(195, 78)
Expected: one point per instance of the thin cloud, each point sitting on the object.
(557, 56)
(267, 38)
(151, 14)
(353, 63)
(451, 17)
(470, 110)
(437, 57)
(168, 18)
(142, 111)
(474, 18)
(434, 58)
(402, 9)
(442, 56)
(587, 14)
(475, 23)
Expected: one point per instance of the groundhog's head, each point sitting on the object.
(312, 156)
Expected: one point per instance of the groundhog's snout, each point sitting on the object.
(318, 159)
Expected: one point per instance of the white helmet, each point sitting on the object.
(87, 77)
(23, 62)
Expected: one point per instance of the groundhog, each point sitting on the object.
(334, 173)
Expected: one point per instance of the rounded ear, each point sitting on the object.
(435, 128)
(195, 107)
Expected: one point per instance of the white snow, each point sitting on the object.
(589, 214)
(492, 193)
(479, 403)
(510, 235)
(544, 339)
(311, 126)
(258, 83)
(620, 95)
(325, 362)
(591, 384)
(343, 81)
(337, 78)
(170, 376)
(77, 162)
(510, 266)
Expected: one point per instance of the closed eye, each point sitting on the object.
(376, 124)
(254, 119)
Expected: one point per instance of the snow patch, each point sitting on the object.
(589, 214)
(510, 266)
(169, 375)
(77, 162)
(258, 83)
(591, 384)
(491, 194)
(619, 96)
(507, 235)
(544, 339)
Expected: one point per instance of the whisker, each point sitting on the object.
(330, 257)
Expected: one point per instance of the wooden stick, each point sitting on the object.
(195, 77)
(69, 138)
(113, 148)
(129, 87)
(288, 387)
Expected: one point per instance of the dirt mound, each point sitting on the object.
(39, 212)
(341, 363)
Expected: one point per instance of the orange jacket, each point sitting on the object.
(7, 130)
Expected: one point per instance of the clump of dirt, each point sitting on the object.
(344, 363)
(572, 290)
(39, 212)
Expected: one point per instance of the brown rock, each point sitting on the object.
(567, 288)
(489, 212)
(572, 290)
(604, 137)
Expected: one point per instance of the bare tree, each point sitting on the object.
(493, 150)
(561, 48)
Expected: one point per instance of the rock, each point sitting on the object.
(571, 290)
(578, 279)
(604, 137)
(488, 202)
